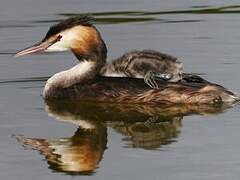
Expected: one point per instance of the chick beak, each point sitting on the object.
(39, 47)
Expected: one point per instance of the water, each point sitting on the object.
(126, 142)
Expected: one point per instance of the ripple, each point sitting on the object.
(193, 10)
(115, 17)
(21, 80)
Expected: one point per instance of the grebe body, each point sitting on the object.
(82, 82)
(133, 90)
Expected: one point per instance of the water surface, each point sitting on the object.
(133, 142)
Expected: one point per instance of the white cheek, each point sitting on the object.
(58, 46)
(68, 38)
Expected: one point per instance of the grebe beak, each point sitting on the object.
(39, 47)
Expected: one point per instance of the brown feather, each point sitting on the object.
(131, 90)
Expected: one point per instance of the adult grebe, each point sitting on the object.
(83, 83)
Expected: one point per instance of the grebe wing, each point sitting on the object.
(190, 77)
(132, 90)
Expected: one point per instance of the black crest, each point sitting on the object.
(84, 20)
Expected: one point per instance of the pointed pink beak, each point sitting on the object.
(36, 48)
(40, 47)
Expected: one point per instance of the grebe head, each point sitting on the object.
(76, 34)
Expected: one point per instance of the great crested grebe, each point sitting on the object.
(82, 82)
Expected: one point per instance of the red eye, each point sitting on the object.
(59, 37)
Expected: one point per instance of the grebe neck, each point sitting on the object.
(91, 60)
(92, 47)
(80, 73)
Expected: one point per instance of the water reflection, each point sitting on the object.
(141, 126)
(79, 154)
(151, 134)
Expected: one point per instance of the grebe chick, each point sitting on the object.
(83, 83)
(147, 64)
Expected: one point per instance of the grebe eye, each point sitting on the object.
(59, 37)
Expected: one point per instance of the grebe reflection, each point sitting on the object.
(141, 126)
